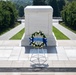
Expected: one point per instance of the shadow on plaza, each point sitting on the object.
(50, 49)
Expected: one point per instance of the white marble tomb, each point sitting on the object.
(38, 18)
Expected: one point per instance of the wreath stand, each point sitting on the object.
(38, 58)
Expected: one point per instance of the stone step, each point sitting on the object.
(37, 70)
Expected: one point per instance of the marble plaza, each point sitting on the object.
(13, 55)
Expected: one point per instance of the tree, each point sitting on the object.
(20, 5)
(54, 4)
(21, 11)
(8, 14)
(39, 2)
(69, 15)
(61, 4)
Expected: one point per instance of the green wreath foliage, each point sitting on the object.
(35, 44)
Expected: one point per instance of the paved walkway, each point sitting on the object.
(12, 32)
(63, 55)
(68, 33)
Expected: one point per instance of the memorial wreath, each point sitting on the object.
(38, 39)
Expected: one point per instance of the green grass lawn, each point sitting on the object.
(59, 35)
(63, 24)
(18, 36)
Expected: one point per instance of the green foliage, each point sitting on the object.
(69, 15)
(21, 11)
(54, 4)
(8, 15)
(38, 2)
(20, 5)
(61, 4)
(22, 2)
